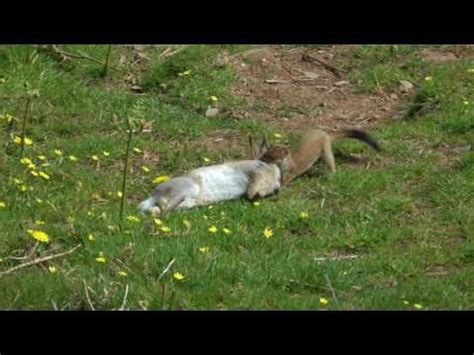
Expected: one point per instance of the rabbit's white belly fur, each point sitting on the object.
(217, 183)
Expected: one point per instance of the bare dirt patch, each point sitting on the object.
(280, 86)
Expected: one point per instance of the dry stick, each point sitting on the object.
(125, 168)
(124, 299)
(167, 268)
(37, 261)
(107, 60)
(335, 70)
(87, 296)
(163, 293)
(23, 129)
(82, 55)
(342, 257)
(332, 291)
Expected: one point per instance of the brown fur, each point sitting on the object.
(312, 145)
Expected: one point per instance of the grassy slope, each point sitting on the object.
(409, 215)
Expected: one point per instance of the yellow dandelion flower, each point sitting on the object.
(256, 203)
(470, 70)
(206, 160)
(133, 219)
(187, 223)
(212, 229)
(41, 157)
(2, 81)
(178, 276)
(267, 233)
(465, 102)
(31, 166)
(161, 179)
(95, 157)
(91, 237)
(34, 173)
(165, 229)
(277, 135)
(429, 78)
(101, 259)
(44, 175)
(210, 207)
(226, 231)
(157, 221)
(119, 194)
(145, 169)
(137, 150)
(185, 73)
(39, 201)
(323, 300)
(52, 269)
(18, 140)
(17, 181)
(58, 152)
(23, 188)
(72, 158)
(303, 215)
(204, 250)
(38, 235)
(122, 273)
(106, 154)
(3, 204)
(39, 222)
(26, 161)
(205, 217)
(418, 306)
(406, 302)
(213, 98)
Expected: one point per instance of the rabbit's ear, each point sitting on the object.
(263, 146)
(256, 153)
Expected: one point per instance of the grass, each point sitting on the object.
(409, 217)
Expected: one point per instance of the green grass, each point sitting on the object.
(409, 217)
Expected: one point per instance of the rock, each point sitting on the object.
(212, 112)
(394, 96)
(406, 86)
(222, 60)
(137, 89)
(311, 75)
(341, 83)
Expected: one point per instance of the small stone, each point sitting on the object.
(394, 96)
(136, 88)
(212, 112)
(341, 83)
(311, 75)
(406, 86)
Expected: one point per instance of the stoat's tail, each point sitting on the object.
(356, 134)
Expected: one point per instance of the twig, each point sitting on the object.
(124, 299)
(168, 52)
(125, 169)
(332, 291)
(105, 71)
(335, 70)
(342, 257)
(23, 129)
(167, 268)
(87, 296)
(38, 261)
(82, 55)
